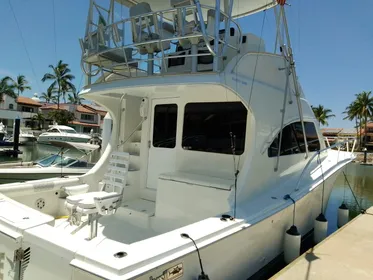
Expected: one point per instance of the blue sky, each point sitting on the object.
(332, 42)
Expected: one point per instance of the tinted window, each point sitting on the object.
(77, 164)
(164, 131)
(312, 137)
(208, 127)
(293, 140)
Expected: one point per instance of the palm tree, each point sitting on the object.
(48, 96)
(364, 107)
(74, 98)
(61, 78)
(322, 114)
(7, 88)
(20, 84)
(353, 114)
(39, 117)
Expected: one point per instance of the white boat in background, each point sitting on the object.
(54, 165)
(26, 137)
(62, 133)
(3, 132)
(214, 147)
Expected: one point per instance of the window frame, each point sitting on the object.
(239, 152)
(153, 125)
(300, 145)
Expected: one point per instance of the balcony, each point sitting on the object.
(184, 39)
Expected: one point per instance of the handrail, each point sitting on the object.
(107, 36)
(317, 154)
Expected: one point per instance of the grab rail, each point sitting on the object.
(339, 144)
(103, 39)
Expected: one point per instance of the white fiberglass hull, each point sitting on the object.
(27, 139)
(239, 253)
(21, 174)
(242, 254)
(48, 139)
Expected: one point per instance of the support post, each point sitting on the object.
(194, 52)
(150, 64)
(295, 79)
(106, 132)
(16, 137)
(93, 221)
(283, 116)
(217, 37)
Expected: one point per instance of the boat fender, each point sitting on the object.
(292, 244)
(343, 215)
(320, 229)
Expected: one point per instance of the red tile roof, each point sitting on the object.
(84, 124)
(63, 106)
(27, 101)
(83, 109)
(101, 112)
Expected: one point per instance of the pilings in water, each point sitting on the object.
(15, 152)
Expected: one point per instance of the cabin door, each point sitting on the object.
(162, 139)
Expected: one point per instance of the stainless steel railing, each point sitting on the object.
(119, 47)
(317, 154)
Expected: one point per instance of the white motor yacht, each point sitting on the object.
(26, 137)
(215, 153)
(62, 133)
(53, 165)
(3, 132)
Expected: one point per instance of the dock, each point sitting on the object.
(345, 254)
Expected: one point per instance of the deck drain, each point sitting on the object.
(120, 255)
(40, 203)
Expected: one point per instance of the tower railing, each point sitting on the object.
(154, 43)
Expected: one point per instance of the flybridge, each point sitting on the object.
(164, 36)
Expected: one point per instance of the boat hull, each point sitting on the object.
(237, 256)
(27, 140)
(47, 139)
(19, 175)
(242, 254)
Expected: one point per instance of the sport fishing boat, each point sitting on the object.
(62, 133)
(215, 153)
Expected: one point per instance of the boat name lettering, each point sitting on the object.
(172, 273)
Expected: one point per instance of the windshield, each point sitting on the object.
(47, 161)
(65, 162)
(68, 130)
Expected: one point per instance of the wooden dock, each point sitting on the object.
(345, 254)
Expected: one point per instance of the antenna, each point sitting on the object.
(202, 276)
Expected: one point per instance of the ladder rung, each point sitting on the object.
(112, 160)
(119, 169)
(116, 176)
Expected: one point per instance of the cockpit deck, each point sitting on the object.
(131, 223)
